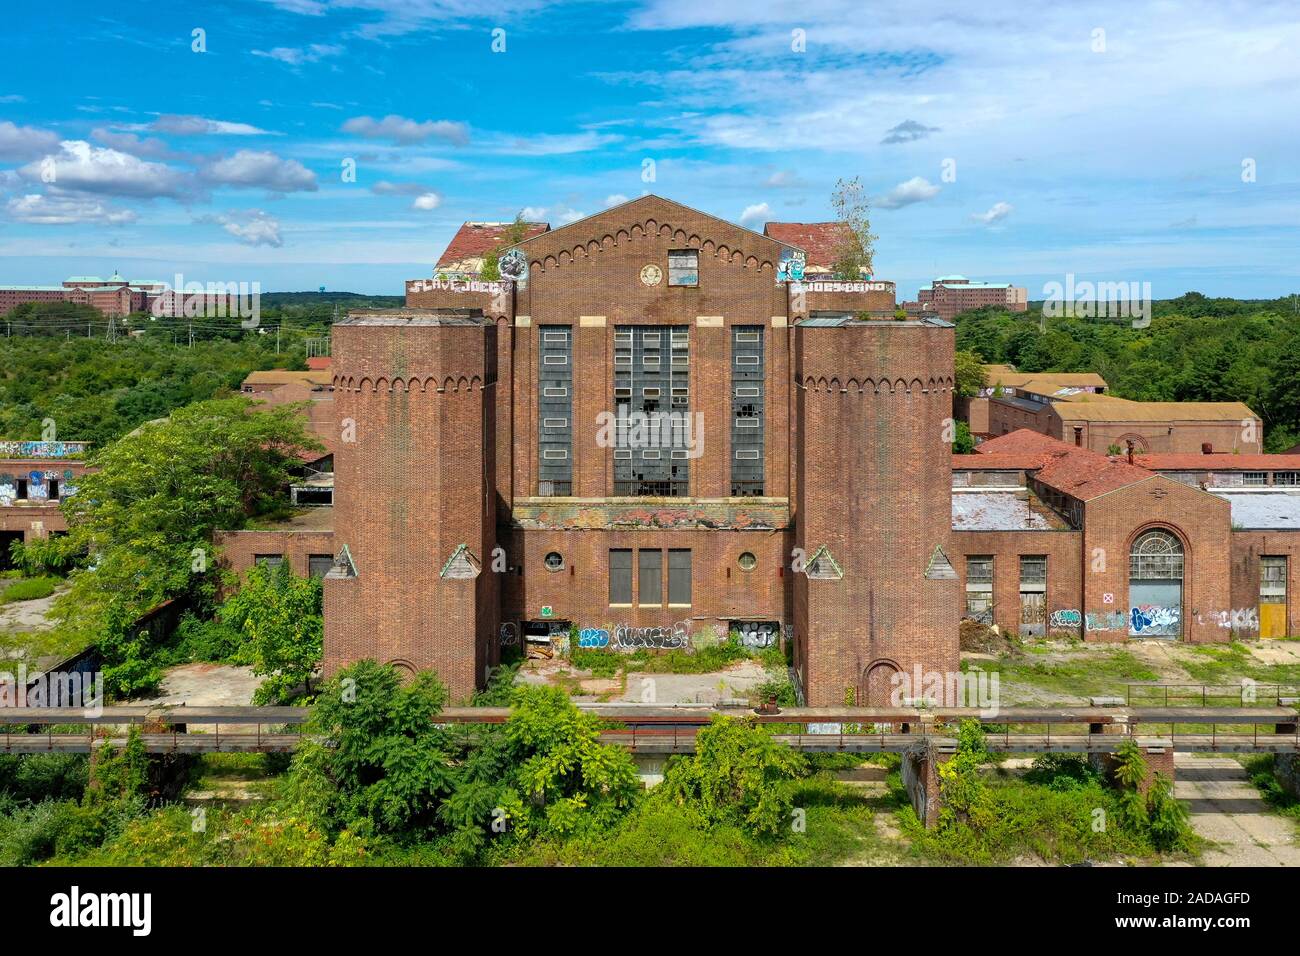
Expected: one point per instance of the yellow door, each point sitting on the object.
(1272, 620)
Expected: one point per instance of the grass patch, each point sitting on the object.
(1103, 673)
(29, 589)
(1262, 775)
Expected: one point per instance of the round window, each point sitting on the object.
(554, 561)
(747, 561)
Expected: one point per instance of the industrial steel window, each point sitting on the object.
(679, 577)
(747, 411)
(318, 565)
(1286, 478)
(651, 402)
(620, 576)
(555, 412)
(1254, 478)
(1272, 578)
(1033, 572)
(650, 575)
(269, 560)
(1156, 555)
(684, 267)
(979, 588)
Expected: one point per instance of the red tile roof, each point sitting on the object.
(1086, 475)
(473, 240)
(1164, 461)
(1023, 442)
(1074, 471)
(818, 240)
(1003, 462)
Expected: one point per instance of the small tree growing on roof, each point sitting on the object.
(855, 248)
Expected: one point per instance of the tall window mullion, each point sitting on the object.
(555, 411)
(748, 414)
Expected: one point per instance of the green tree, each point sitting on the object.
(545, 773)
(963, 442)
(388, 765)
(970, 376)
(738, 775)
(282, 618)
(147, 513)
(855, 248)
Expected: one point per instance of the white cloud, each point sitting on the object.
(783, 179)
(253, 228)
(13, 98)
(261, 170)
(427, 202)
(906, 193)
(296, 56)
(25, 142)
(186, 125)
(999, 210)
(80, 167)
(130, 143)
(405, 131)
(755, 215)
(560, 213)
(65, 210)
(617, 199)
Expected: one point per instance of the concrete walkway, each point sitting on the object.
(1227, 810)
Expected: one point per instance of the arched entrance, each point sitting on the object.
(1155, 585)
(878, 685)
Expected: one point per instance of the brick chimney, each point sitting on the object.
(1207, 448)
(1129, 442)
(1078, 436)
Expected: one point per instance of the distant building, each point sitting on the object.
(35, 476)
(115, 296)
(950, 295)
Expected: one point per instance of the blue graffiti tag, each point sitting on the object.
(593, 637)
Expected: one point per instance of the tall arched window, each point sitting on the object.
(1155, 585)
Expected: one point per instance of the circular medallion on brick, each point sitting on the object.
(747, 561)
(651, 274)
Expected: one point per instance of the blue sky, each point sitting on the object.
(1104, 139)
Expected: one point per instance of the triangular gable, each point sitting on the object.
(940, 568)
(461, 565)
(822, 566)
(343, 562)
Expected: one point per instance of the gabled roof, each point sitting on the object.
(280, 376)
(818, 240)
(1008, 461)
(1074, 471)
(649, 206)
(1125, 411)
(1008, 376)
(474, 240)
(1086, 475)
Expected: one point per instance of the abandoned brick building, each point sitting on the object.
(667, 427)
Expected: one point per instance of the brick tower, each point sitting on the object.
(873, 517)
(415, 522)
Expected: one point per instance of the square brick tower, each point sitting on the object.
(873, 518)
(415, 525)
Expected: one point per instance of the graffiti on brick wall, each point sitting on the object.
(1105, 621)
(509, 634)
(42, 449)
(1153, 617)
(656, 638)
(757, 634)
(593, 637)
(1065, 618)
(37, 486)
(1238, 619)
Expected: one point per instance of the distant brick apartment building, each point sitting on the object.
(492, 480)
(952, 295)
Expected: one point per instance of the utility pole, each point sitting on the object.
(277, 336)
